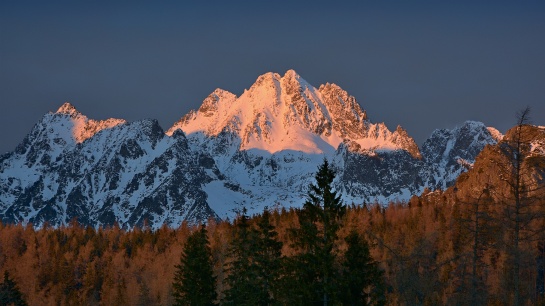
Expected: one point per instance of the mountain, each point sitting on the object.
(101, 173)
(448, 153)
(287, 113)
(493, 172)
(259, 149)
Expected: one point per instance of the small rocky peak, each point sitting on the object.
(266, 80)
(403, 139)
(210, 105)
(471, 127)
(150, 127)
(292, 83)
(67, 109)
(331, 90)
(223, 94)
(401, 131)
(402, 134)
(291, 74)
(341, 105)
(335, 95)
(497, 135)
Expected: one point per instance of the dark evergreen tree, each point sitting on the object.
(194, 282)
(242, 275)
(362, 278)
(255, 263)
(9, 292)
(314, 269)
(268, 260)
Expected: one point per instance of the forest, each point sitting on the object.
(480, 242)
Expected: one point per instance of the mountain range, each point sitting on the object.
(260, 149)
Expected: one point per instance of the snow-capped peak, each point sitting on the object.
(69, 123)
(287, 113)
(256, 150)
(67, 108)
(292, 74)
(210, 104)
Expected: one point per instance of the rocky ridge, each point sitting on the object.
(259, 149)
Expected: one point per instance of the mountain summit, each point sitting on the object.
(285, 112)
(260, 149)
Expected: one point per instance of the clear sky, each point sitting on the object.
(421, 64)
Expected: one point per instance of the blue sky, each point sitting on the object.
(421, 64)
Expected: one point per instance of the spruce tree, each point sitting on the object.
(319, 220)
(268, 260)
(242, 275)
(9, 292)
(194, 282)
(254, 268)
(362, 278)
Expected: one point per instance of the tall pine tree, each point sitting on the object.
(314, 267)
(194, 282)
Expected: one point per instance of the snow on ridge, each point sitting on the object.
(287, 113)
(497, 135)
(67, 108)
(259, 149)
(81, 127)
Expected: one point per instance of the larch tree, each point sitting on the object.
(521, 215)
(476, 231)
(194, 281)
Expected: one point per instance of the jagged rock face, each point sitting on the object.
(259, 149)
(493, 167)
(287, 113)
(448, 153)
(129, 174)
(380, 177)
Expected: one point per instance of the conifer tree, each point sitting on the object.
(268, 260)
(194, 282)
(362, 278)
(242, 275)
(9, 292)
(144, 297)
(319, 220)
(255, 263)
